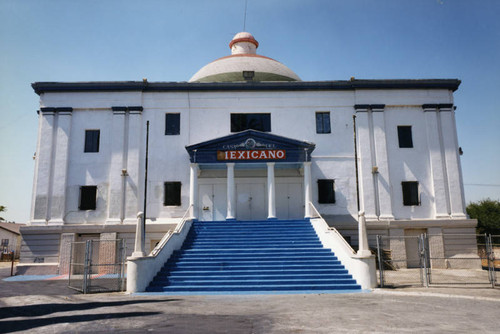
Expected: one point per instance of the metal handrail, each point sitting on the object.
(169, 233)
(333, 229)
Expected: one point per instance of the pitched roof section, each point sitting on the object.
(144, 86)
(12, 227)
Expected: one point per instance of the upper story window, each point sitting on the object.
(172, 193)
(326, 191)
(172, 124)
(404, 136)
(92, 141)
(242, 122)
(323, 122)
(88, 198)
(410, 193)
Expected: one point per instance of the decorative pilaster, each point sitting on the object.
(117, 171)
(134, 187)
(380, 169)
(59, 176)
(452, 158)
(366, 181)
(437, 162)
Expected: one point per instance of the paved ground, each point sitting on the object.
(49, 306)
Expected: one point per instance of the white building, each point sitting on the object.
(244, 139)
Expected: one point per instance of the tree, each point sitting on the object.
(2, 209)
(487, 213)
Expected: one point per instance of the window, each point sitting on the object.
(172, 124)
(172, 193)
(242, 122)
(410, 193)
(323, 122)
(404, 136)
(326, 191)
(5, 246)
(88, 197)
(92, 141)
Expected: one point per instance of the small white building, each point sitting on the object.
(244, 139)
(10, 240)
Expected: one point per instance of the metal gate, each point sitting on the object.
(398, 264)
(97, 266)
(467, 259)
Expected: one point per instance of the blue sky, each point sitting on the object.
(59, 40)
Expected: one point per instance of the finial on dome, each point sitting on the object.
(243, 43)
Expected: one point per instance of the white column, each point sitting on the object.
(117, 170)
(307, 189)
(271, 192)
(43, 167)
(60, 167)
(231, 194)
(193, 190)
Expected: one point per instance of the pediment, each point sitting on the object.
(250, 146)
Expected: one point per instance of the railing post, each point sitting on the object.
(139, 237)
(363, 249)
(380, 261)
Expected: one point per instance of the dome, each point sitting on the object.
(244, 64)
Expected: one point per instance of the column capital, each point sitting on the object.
(270, 164)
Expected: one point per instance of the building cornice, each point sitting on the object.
(145, 86)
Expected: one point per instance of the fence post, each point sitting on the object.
(88, 247)
(122, 264)
(380, 262)
(423, 259)
(490, 254)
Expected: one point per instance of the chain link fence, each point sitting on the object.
(444, 259)
(97, 266)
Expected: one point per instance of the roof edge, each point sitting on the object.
(145, 86)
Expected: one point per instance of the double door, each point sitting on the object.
(212, 202)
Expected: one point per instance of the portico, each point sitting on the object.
(262, 175)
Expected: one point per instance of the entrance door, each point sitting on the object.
(212, 202)
(251, 201)
(289, 201)
(411, 244)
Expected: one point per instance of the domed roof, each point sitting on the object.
(244, 58)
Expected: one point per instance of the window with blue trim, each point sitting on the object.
(323, 122)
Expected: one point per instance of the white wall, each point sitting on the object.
(206, 115)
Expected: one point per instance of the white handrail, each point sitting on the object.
(333, 229)
(169, 233)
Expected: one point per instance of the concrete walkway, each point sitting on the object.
(49, 306)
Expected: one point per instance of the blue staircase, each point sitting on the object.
(252, 257)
